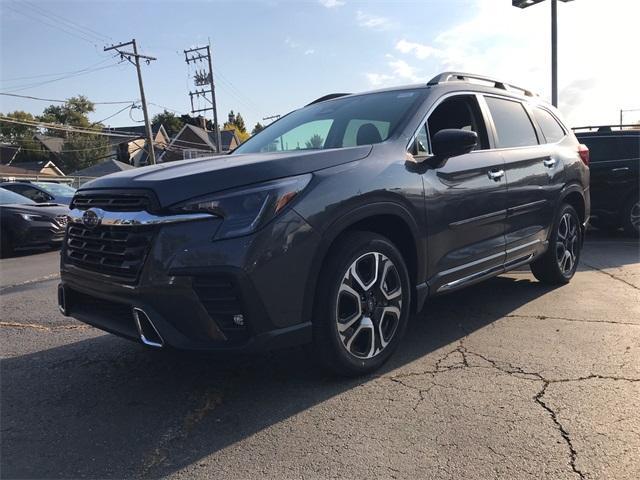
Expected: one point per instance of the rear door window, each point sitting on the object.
(603, 148)
(512, 123)
(630, 146)
(550, 127)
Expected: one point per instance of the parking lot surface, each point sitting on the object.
(507, 379)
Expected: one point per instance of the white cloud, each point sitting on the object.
(418, 49)
(331, 3)
(309, 51)
(597, 71)
(375, 22)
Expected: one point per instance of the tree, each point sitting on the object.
(22, 136)
(235, 120)
(75, 112)
(240, 123)
(171, 122)
(315, 142)
(242, 136)
(257, 129)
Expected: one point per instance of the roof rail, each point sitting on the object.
(330, 96)
(465, 77)
(604, 128)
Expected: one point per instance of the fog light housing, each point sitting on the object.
(238, 319)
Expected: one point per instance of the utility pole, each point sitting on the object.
(554, 41)
(137, 57)
(202, 78)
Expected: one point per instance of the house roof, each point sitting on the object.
(137, 131)
(208, 138)
(38, 166)
(102, 168)
(8, 152)
(10, 170)
(53, 144)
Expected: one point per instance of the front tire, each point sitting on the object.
(559, 263)
(363, 303)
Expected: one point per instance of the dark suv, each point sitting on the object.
(332, 224)
(615, 175)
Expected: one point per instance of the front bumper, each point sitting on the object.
(193, 289)
(37, 234)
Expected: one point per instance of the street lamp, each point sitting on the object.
(554, 41)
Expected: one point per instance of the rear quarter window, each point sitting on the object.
(512, 122)
(550, 127)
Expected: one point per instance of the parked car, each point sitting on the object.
(42, 192)
(615, 176)
(25, 224)
(332, 224)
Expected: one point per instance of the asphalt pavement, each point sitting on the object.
(506, 379)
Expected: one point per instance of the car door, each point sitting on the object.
(530, 166)
(465, 200)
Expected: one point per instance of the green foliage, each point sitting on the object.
(257, 129)
(235, 122)
(316, 141)
(74, 112)
(81, 151)
(171, 122)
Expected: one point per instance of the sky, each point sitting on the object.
(273, 56)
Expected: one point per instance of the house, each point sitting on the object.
(103, 168)
(133, 150)
(51, 145)
(40, 167)
(195, 142)
(9, 173)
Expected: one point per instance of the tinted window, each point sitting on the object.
(611, 147)
(460, 112)
(550, 127)
(330, 123)
(7, 197)
(631, 146)
(513, 126)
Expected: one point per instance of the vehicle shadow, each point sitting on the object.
(107, 408)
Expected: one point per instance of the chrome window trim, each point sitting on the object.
(124, 219)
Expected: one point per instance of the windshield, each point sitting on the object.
(7, 197)
(57, 189)
(343, 122)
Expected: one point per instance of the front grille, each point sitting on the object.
(112, 203)
(118, 251)
(222, 300)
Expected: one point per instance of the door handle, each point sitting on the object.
(495, 175)
(549, 162)
(620, 170)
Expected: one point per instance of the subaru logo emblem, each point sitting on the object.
(91, 218)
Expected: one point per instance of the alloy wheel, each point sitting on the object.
(369, 305)
(567, 243)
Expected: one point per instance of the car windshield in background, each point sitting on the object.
(56, 189)
(7, 197)
(343, 122)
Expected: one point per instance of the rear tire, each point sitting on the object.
(631, 216)
(560, 262)
(363, 302)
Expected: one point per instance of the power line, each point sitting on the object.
(64, 128)
(52, 25)
(113, 115)
(46, 82)
(9, 80)
(71, 23)
(128, 102)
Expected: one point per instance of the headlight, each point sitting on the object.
(31, 217)
(247, 209)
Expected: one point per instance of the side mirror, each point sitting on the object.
(451, 142)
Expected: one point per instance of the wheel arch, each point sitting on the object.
(573, 194)
(388, 219)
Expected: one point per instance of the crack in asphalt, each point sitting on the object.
(17, 286)
(35, 326)
(513, 370)
(566, 319)
(615, 277)
(211, 400)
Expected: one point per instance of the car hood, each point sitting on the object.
(46, 209)
(176, 181)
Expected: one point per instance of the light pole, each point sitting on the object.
(554, 41)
